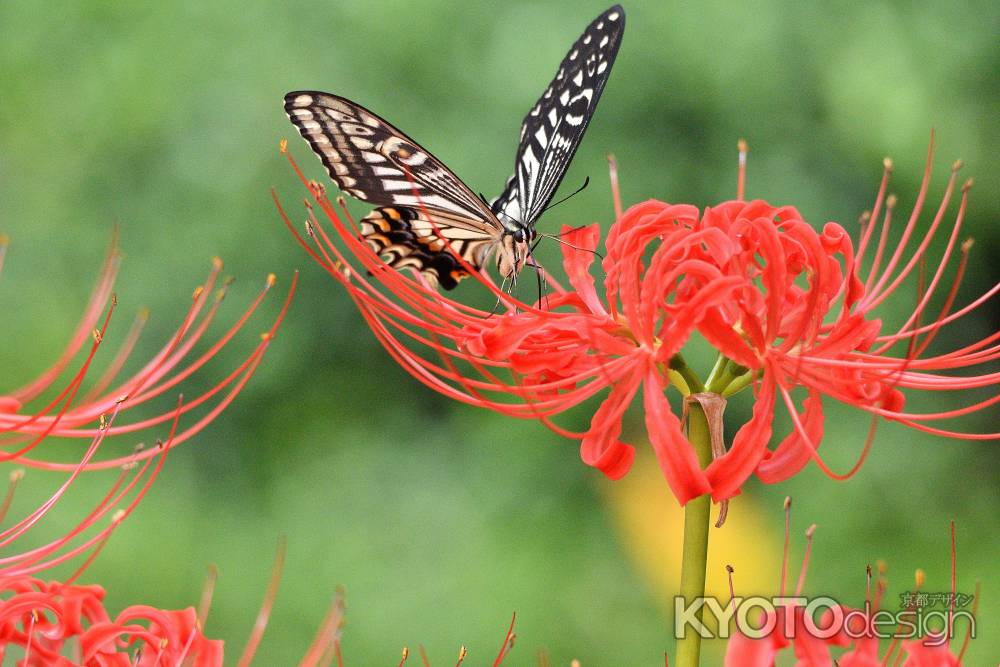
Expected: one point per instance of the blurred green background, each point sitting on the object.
(440, 519)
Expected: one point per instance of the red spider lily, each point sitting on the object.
(26, 420)
(49, 619)
(787, 307)
(826, 337)
(863, 643)
(61, 623)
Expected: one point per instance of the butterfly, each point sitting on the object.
(426, 217)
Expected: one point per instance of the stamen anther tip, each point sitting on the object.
(788, 502)
(890, 201)
(967, 185)
(271, 279)
(117, 517)
(956, 165)
(887, 163)
(217, 263)
(283, 145)
(741, 145)
(919, 577)
(16, 475)
(967, 244)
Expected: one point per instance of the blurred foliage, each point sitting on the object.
(164, 118)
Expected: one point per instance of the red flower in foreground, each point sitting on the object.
(48, 619)
(857, 630)
(785, 305)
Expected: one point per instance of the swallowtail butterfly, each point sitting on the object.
(426, 215)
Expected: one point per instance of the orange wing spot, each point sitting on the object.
(378, 241)
(393, 213)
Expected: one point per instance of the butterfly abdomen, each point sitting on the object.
(403, 238)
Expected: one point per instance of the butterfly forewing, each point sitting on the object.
(370, 159)
(552, 130)
(426, 213)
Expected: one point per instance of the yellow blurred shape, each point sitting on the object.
(651, 525)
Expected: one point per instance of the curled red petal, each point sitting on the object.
(578, 254)
(674, 452)
(793, 453)
(600, 446)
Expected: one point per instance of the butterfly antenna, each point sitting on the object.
(580, 189)
(483, 197)
(567, 243)
(568, 231)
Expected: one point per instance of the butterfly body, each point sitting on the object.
(426, 218)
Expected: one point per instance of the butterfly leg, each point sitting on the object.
(539, 278)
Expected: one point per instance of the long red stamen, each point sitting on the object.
(264, 614)
(95, 304)
(508, 642)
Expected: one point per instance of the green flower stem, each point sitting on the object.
(697, 518)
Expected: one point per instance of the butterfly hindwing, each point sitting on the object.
(404, 237)
(552, 130)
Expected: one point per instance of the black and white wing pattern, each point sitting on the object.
(552, 130)
(371, 160)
